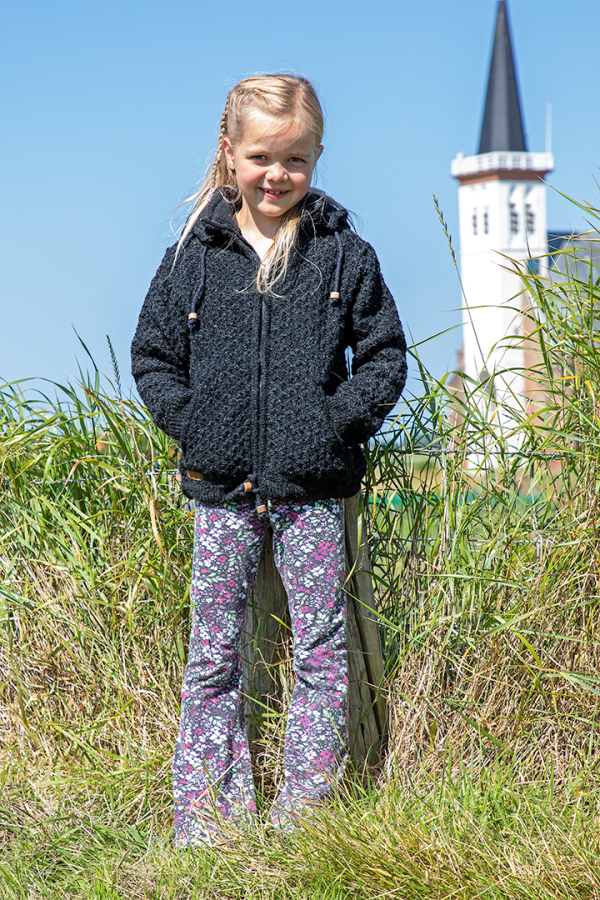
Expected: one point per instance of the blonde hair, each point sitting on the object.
(289, 98)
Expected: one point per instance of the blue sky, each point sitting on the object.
(110, 114)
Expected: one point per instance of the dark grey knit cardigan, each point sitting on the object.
(259, 391)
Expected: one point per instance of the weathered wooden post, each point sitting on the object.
(267, 645)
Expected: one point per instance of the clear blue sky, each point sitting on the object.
(110, 113)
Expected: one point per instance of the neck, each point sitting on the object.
(258, 230)
(253, 222)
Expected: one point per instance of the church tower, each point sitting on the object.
(502, 210)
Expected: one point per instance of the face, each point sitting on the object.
(273, 169)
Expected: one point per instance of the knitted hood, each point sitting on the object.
(319, 215)
(318, 212)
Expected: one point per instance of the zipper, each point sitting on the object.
(261, 443)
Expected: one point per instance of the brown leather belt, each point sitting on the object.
(195, 476)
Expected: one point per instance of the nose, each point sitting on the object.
(276, 173)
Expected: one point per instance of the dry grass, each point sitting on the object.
(488, 589)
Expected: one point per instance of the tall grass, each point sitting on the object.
(95, 555)
(486, 550)
(488, 577)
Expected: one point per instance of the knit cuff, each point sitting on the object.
(184, 419)
(347, 418)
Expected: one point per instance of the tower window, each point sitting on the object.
(486, 222)
(514, 219)
(529, 218)
(474, 221)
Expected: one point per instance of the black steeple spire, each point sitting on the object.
(502, 127)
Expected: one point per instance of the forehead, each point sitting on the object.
(263, 132)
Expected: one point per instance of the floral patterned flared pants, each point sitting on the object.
(211, 766)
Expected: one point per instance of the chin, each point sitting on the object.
(273, 210)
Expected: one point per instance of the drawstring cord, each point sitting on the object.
(248, 486)
(334, 296)
(199, 294)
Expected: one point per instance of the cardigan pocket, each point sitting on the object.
(217, 437)
(302, 441)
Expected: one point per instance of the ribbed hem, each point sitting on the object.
(207, 492)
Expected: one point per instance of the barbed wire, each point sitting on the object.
(532, 454)
(529, 454)
(540, 540)
(89, 478)
(400, 451)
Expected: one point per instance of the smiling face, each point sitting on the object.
(273, 165)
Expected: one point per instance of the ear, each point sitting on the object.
(320, 149)
(228, 150)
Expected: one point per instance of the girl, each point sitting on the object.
(240, 356)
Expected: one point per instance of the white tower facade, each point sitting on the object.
(502, 210)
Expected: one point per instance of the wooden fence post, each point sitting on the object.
(267, 644)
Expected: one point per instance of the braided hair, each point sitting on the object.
(288, 98)
(219, 156)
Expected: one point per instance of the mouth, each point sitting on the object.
(268, 192)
